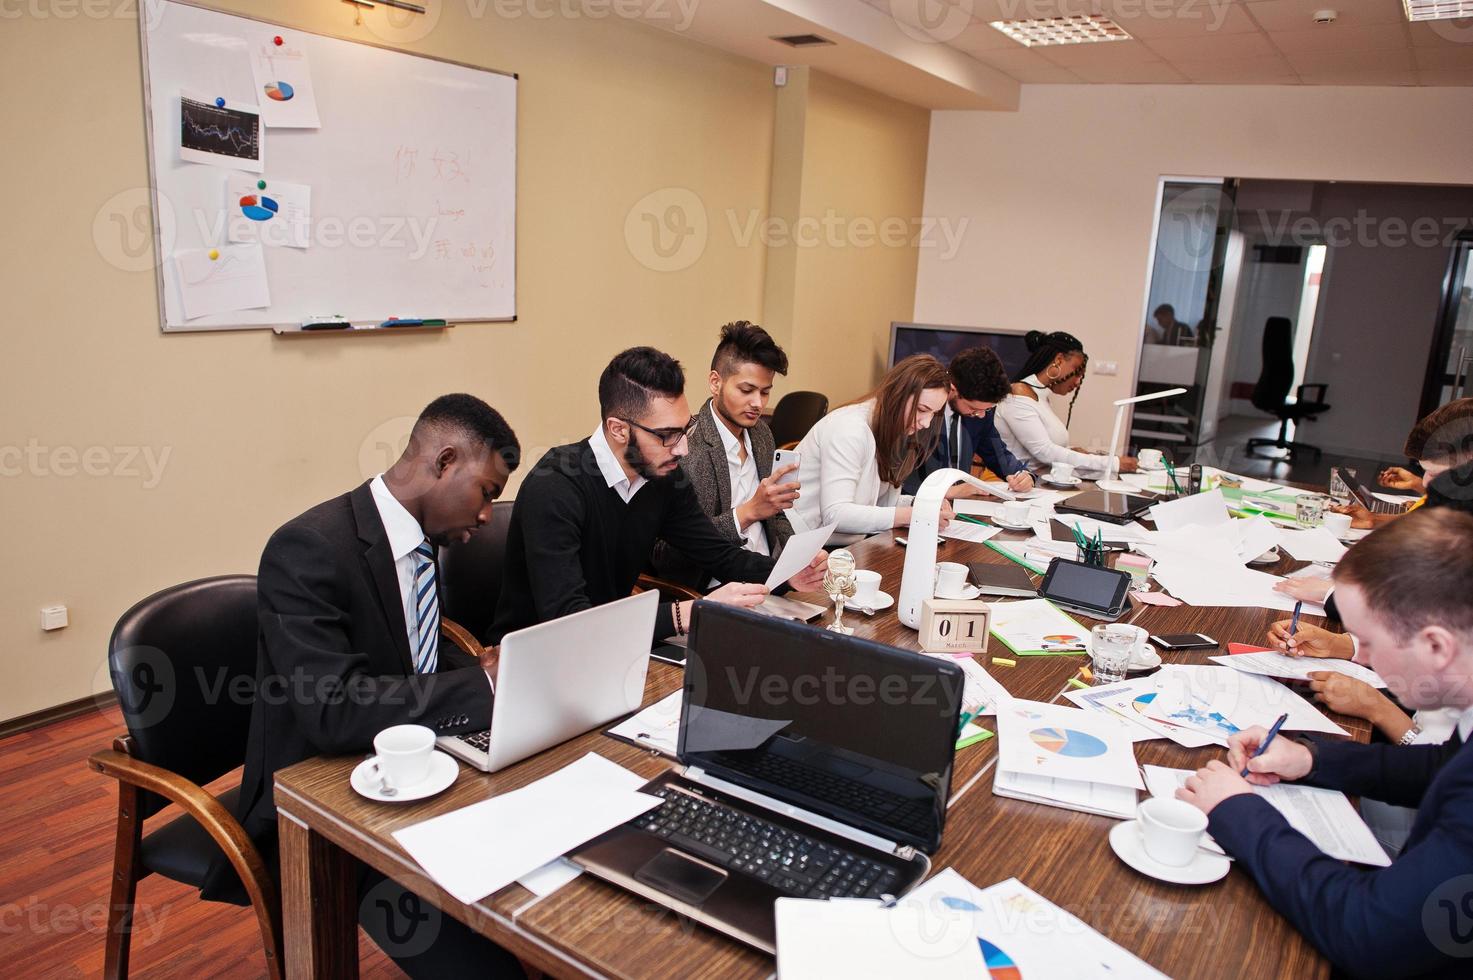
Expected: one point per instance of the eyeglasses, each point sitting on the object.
(669, 438)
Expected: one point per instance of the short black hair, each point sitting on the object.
(636, 376)
(743, 342)
(1164, 308)
(979, 375)
(474, 419)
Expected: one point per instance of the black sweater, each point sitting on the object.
(574, 543)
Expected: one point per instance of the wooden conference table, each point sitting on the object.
(589, 928)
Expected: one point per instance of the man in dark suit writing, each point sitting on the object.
(1406, 592)
(968, 424)
(348, 610)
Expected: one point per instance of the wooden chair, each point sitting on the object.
(174, 658)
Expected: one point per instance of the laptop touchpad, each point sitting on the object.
(680, 876)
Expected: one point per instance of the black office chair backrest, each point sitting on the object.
(1277, 375)
(795, 414)
(470, 573)
(183, 664)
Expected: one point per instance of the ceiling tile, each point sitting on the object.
(1338, 37)
(1269, 70)
(1099, 53)
(1158, 73)
(1358, 77)
(1179, 18)
(1446, 76)
(1442, 33)
(984, 37)
(1223, 47)
(1027, 66)
(1298, 15)
(1433, 58)
(1322, 62)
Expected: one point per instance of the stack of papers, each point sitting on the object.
(967, 531)
(481, 848)
(656, 728)
(1271, 663)
(1325, 816)
(1315, 544)
(1037, 627)
(1065, 757)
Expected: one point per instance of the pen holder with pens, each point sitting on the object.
(1092, 553)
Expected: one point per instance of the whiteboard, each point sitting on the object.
(412, 176)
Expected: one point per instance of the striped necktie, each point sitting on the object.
(426, 611)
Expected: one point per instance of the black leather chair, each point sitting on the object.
(175, 658)
(795, 414)
(1271, 394)
(470, 573)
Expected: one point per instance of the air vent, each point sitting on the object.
(802, 40)
(1437, 9)
(1079, 29)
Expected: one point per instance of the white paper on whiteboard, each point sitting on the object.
(279, 215)
(220, 136)
(283, 77)
(236, 280)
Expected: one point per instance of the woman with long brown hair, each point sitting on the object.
(856, 457)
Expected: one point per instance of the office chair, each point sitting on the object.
(1271, 394)
(795, 414)
(174, 657)
(470, 573)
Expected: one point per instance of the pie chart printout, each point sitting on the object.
(279, 92)
(1000, 965)
(1068, 742)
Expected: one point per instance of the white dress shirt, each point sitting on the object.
(405, 535)
(744, 480)
(838, 458)
(608, 465)
(1037, 436)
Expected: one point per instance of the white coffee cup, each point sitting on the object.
(1171, 830)
(951, 580)
(1062, 473)
(1150, 459)
(1015, 511)
(866, 587)
(1336, 524)
(404, 754)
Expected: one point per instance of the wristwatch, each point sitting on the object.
(1410, 738)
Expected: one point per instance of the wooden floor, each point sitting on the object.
(56, 841)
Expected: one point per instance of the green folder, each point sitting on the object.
(972, 733)
(1007, 550)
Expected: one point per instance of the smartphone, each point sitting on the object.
(787, 457)
(1184, 641)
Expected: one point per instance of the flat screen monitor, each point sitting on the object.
(946, 342)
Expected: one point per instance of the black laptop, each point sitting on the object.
(816, 765)
(1113, 508)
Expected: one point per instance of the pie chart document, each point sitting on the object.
(1067, 743)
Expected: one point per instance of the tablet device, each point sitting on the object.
(1113, 508)
(1099, 593)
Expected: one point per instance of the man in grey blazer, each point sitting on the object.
(730, 460)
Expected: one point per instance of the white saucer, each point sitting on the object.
(1073, 481)
(1125, 841)
(969, 592)
(443, 770)
(1150, 469)
(1148, 660)
(883, 600)
(1269, 557)
(1025, 526)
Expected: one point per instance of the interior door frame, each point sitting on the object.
(1442, 340)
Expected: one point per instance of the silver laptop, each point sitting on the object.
(562, 678)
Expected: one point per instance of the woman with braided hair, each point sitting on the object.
(1028, 424)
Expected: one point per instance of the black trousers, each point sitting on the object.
(421, 939)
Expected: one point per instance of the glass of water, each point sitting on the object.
(1309, 509)
(1110, 648)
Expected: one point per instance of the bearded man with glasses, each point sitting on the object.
(588, 515)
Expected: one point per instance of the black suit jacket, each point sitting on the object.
(976, 438)
(334, 667)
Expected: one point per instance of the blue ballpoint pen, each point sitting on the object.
(1263, 746)
(1294, 621)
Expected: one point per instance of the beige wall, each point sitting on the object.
(256, 428)
(1060, 195)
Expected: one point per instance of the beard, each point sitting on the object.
(639, 463)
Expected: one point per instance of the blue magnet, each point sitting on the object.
(219, 103)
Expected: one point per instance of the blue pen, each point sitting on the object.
(1263, 746)
(1294, 621)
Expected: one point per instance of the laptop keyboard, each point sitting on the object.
(478, 740)
(790, 861)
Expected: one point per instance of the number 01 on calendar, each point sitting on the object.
(954, 625)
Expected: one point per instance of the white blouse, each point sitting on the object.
(840, 480)
(1034, 434)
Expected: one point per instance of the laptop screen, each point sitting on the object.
(851, 729)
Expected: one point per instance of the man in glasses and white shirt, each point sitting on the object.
(588, 514)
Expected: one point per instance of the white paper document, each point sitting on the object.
(1202, 509)
(1037, 739)
(1315, 544)
(797, 553)
(1240, 699)
(550, 877)
(982, 692)
(1069, 794)
(967, 531)
(235, 279)
(845, 937)
(1021, 934)
(481, 848)
(1133, 700)
(283, 78)
(1325, 816)
(278, 215)
(656, 727)
(1274, 664)
(1037, 626)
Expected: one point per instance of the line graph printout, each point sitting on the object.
(228, 136)
(233, 279)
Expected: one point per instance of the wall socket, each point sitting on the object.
(53, 617)
(1106, 367)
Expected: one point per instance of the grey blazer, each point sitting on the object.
(706, 468)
